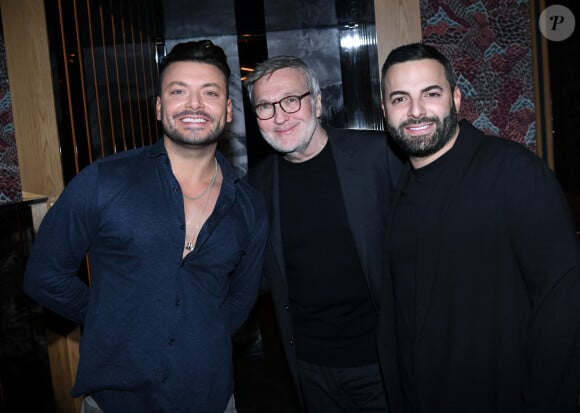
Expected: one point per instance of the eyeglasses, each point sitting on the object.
(289, 104)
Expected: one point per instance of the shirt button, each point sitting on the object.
(171, 341)
(291, 341)
(177, 302)
(286, 307)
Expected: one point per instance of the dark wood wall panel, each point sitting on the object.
(105, 75)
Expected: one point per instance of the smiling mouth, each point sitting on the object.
(418, 128)
(193, 120)
(287, 129)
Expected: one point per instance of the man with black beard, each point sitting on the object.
(483, 260)
(175, 242)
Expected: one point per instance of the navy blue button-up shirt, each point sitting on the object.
(157, 326)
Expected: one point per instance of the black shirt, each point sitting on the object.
(333, 316)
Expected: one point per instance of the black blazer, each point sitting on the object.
(367, 171)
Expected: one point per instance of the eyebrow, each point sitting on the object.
(427, 89)
(294, 94)
(205, 85)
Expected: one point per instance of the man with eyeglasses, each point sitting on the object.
(328, 192)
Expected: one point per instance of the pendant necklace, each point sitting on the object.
(189, 245)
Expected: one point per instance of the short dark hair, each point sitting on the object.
(417, 51)
(203, 51)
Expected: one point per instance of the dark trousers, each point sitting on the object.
(342, 389)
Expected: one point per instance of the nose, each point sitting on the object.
(194, 100)
(279, 115)
(416, 108)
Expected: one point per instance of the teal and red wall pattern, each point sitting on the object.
(10, 186)
(489, 44)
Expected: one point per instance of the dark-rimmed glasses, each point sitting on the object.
(289, 104)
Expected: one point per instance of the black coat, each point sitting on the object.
(367, 172)
(497, 288)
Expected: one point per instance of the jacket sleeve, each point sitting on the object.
(258, 179)
(547, 249)
(245, 282)
(51, 274)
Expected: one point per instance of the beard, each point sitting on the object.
(297, 144)
(193, 138)
(425, 145)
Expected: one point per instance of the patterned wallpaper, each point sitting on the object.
(10, 186)
(489, 44)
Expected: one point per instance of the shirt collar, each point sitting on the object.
(158, 149)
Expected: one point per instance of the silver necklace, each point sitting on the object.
(189, 245)
(196, 197)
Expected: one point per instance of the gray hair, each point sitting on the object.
(273, 64)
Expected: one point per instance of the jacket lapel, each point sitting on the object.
(360, 199)
(276, 230)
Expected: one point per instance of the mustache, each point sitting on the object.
(410, 122)
(192, 113)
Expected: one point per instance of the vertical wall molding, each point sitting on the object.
(397, 22)
(105, 76)
(542, 92)
(28, 61)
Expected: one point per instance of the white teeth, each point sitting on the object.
(193, 120)
(419, 127)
